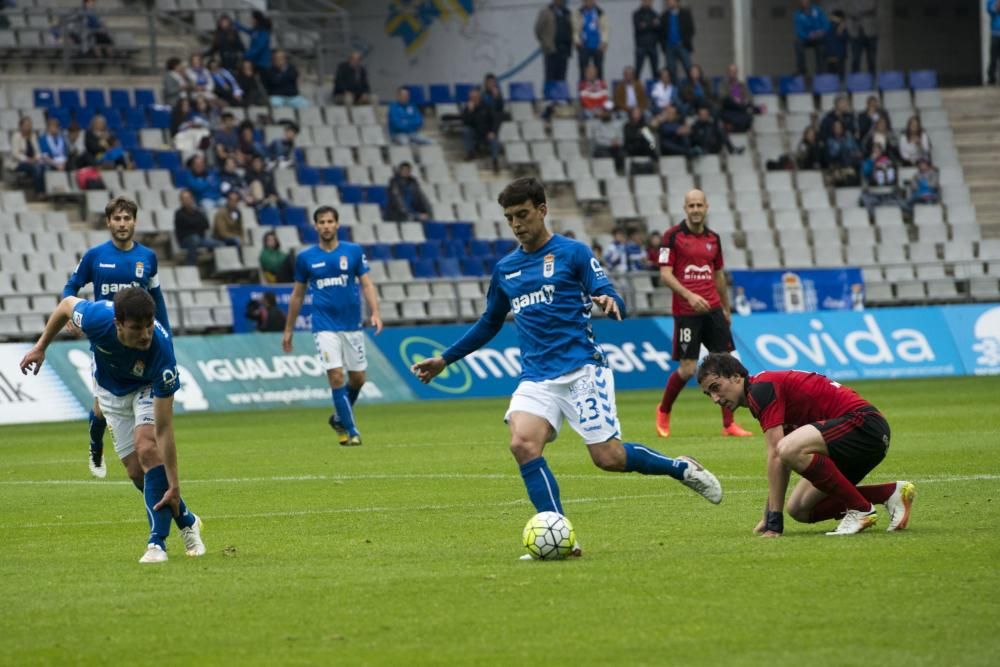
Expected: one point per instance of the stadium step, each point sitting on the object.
(976, 130)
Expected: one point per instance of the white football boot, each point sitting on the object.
(193, 546)
(701, 481)
(154, 554)
(855, 521)
(98, 470)
(898, 506)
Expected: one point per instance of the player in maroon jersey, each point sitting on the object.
(820, 429)
(691, 266)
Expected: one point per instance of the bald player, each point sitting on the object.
(691, 266)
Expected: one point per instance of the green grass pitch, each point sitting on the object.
(405, 551)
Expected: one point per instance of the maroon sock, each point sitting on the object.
(825, 476)
(674, 385)
(878, 493)
(828, 508)
(727, 417)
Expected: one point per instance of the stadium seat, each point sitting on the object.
(440, 93)
(860, 82)
(462, 91)
(377, 194)
(308, 176)
(417, 95)
(269, 215)
(352, 194)
(461, 230)
(455, 248)
(480, 248)
(159, 117)
(788, 85)
(144, 97)
(333, 176)
(405, 250)
(429, 250)
(44, 98)
(296, 215)
(435, 231)
(557, 91)
(382, 251)
(448, 267)
(423, 268)
(891, 80)
(472, 266)
(923, 79)
(826, 83)
(522, 91)
(120, 98)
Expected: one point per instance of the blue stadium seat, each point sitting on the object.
(826, 83)
(760, 85)
(168, 160)
(352, 194)
(480, 248)
(472, 266)
(429, 249)
(448, 267)
(923, 79)
(649, 87)
(83, 115)
(258, 136)
(94, 97)
(44, 98)
(440, 93)
(143, 158)
(144, 97)
(296, 215)
(860, 82)
(69, 98)
(343, 233)
(129, 139)
(490, 263)
(557, 91)
(404, 250)
(891, 80)
(462, 91)
(377, 194)
(333, 175)
(417, 94)
(435, 231)
(504, 246)
(522, 91)
(308, 234)
(63, 115)
(135, 118)
(182, 179)
(380, 251)
(308, 175)
(461, 230)
(112, 116)
(120, 98)
(792, 84)
(423, 268)
(454, 248)
(269, 215)
(159, 118)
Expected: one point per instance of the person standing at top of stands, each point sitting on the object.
(226, 44)
(862, 16)
(677, 26)
(350, 85)
(646, 32)
(691, 266)
(405, 120)
(112, 266)
(336, 274)
(554, 31)
(811, 25)
(591, 31)
(407, 200)
(820, 429)
(259, 50)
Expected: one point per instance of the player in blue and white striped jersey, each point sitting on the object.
(550, 283)
(111, 267)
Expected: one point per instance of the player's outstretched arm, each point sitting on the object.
(33, 360)
(294, 306)
(428, 369)
(163, 414)
(777, 484)
(371, 298)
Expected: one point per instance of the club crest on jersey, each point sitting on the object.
(549, 266)
(139, 269)
(343, 262)
(708, 246)
(139, 368)
(664, 255)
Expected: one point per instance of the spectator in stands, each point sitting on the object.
(225, 140)
(116, 156)
(737, 108)
(263, 190)
(554, 31)
(26, 154)
(835, 44)
(189, 127)
(407, 200)
(53, 145)
(480, 128)
(593, 93)
(843, 156)
(266, 314)
(639, 138)
(97, 139)
(350, 85)
(598, 251)
(191, 228)
(249, 83)
(493, 98)
(281, 81)
(653, 242)
(914, 143)
(925, 186)
(93, 36)
(872, 113)
(282, 151)
(809, 153)
(811, 25)
(616, 256)
(675, 135)
(677, 27)
(259, 50)
(635, 251)
(630, 93)
(231, 180)
(863, 21)
(646, 32)
(695, 92)
(664, 92)
(275, 264)
(879, 170)
(707, 135)
(405, 120)
(591, 31)
(226, 46)
(175, 82)
(227, 225)
(77, 147)
(881, 136)
(605, 133)
(202, 83)
(227, 88)
(248, 147)
(841, 113)
(203, 183)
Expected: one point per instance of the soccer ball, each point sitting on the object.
(549, 536)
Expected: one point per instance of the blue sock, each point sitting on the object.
(646, 461)
(159, 520)
(97, 426)
(542, 487)
(353, 393)
(345, 415)
(185, 519)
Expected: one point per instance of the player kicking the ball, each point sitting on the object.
(136, 380)
(551, 283)
(820, 429)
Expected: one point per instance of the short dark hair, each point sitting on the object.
(722, 364)
(121, 204)
(325, 209)
(522, 190)
(173, 62)
(289, 125)
(134, 304)
(403, 164)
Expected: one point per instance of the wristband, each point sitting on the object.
(774, 522)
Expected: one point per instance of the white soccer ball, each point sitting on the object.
(549, 536)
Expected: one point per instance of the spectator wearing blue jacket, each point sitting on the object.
(259, 51)
(405, 120)
(590, 34)
(993, 8)
(203, 183)
(811, 26)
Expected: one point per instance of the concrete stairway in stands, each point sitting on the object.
(975, 122)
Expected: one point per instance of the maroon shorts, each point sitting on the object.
(857, 441)
(709, 329)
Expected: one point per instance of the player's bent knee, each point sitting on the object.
(147, 453)
(609, 456)
(798, 512)
(524, 449)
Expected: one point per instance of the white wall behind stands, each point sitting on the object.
(498, 36)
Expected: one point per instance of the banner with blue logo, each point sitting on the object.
(242, 295)
(976, 331)
(797, 290)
